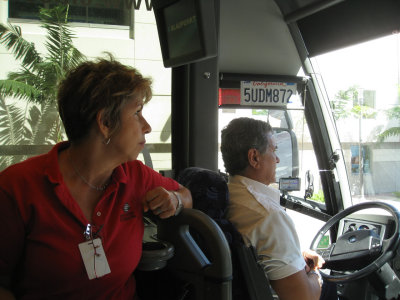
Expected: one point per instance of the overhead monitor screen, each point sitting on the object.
(182, 29)
(186, 29)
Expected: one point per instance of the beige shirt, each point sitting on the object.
(256, 212)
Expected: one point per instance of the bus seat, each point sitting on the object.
(211, 195)
(208, 275)
(190, 274)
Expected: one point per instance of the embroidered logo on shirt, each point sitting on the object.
(126, 207)
(127, 213)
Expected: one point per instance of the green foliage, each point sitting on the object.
(393, 114)
(12, 128)
(365, 111)
(11, 38)
(393, 131)
(34, 124)
(260, 112)
(33, 119)
(345, 104)
(11, 123)
(319, 197)
(41, 121)
(18, 89)
(38, 77)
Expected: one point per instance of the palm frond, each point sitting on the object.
(54, 132)
(394, 131)
(59, 38)
(36, 82)
(41, 122)
(31, 124)
(19, 90)
(47, 125)
(44, 80)
(393, 113)
(4, 162)
(12, 120)
(23, 75)
(75, 57)
(11, 38)
(47, 80)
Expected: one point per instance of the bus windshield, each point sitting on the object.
(362, 83)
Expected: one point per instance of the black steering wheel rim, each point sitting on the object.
(390, 243)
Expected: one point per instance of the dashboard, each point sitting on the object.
(359, 236)
(386, 280)
(354, 224)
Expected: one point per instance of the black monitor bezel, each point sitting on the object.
(205, 16)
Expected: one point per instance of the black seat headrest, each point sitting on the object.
(209, 190)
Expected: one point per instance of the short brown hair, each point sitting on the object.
(95, 85)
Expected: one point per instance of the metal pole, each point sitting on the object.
(360, 96)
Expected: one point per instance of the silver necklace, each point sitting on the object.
(94, 187)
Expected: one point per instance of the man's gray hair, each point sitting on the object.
(238, 137)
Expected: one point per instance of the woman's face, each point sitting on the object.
(129, 139)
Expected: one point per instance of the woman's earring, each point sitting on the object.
(106, 141)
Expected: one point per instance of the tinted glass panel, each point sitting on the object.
(93, 11)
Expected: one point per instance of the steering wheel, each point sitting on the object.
(357, 241)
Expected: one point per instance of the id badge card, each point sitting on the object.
(94, 258)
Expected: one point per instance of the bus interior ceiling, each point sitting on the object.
(268, 37)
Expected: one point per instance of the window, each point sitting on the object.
(295, 148)
(110, 12)
(363, 85)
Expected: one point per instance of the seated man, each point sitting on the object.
(248, 150)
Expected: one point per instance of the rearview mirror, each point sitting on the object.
(288, 154)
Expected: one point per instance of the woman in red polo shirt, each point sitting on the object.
(71, 220)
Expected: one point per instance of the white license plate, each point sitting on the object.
(266, 93)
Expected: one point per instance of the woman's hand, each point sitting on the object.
(164, 203)
(161, 202)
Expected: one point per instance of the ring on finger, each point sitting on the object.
(158, 211)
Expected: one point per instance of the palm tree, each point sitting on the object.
(345, 104)
(33, 119)
(393, 113)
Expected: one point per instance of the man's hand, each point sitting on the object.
(313, 260)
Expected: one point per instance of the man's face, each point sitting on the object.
(268, 161)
